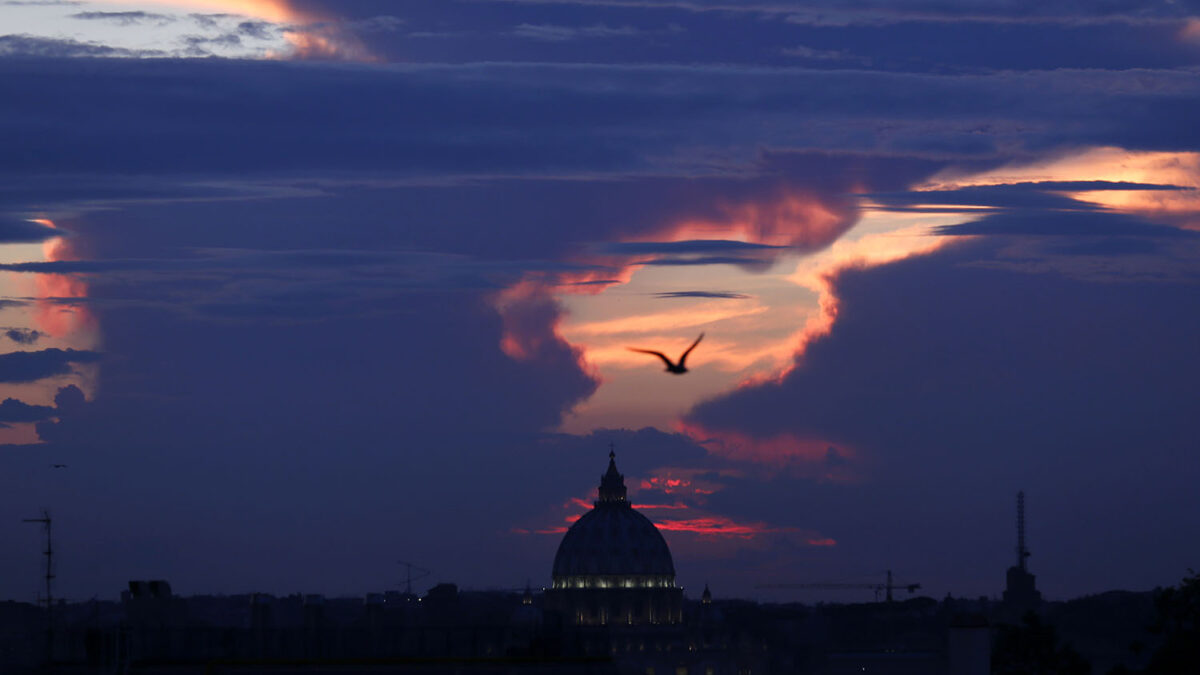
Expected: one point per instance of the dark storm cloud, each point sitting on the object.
(271, 336)
(231, 259)
(24, 336)
(684, 247)
(464, 117)
(837, 12)
(1042, 195)
(702, 294)
(958, 382)
(890, 40)
(416, 406)
(12, 410)
(18, 367)
(16, 231)
(1064, 223)
(705, 260)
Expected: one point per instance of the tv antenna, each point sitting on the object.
(408, 575)
(47, 523)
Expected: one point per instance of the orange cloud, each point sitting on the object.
(1181, 169)
(794, 218)
(277, 11)
(669, 507)
(309, 34)
(52, 315)
(681, 482)
(531, 324)
(719, 526)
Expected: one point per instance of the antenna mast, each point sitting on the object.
(47, 522)
(409, 578)
(1022, 552)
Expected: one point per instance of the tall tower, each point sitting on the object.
(1022, 552)
(1021, 594)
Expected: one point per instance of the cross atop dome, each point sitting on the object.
(612, 483)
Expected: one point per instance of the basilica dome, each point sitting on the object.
(613, 545)
(613, 566)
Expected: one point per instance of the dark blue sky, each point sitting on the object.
(301, 293)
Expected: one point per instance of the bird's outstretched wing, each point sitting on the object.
(658, 354)
(689, 350)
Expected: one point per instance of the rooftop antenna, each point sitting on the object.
(408, 575)
(1022, 552)
(47, 522)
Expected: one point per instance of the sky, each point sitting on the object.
(298, 289)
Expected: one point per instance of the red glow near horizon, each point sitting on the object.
(779, 450)
(669, 507)
(680, 481)
(722, 526)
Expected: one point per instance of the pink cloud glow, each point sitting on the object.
(52, 315)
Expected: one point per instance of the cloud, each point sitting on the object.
(557, 33)
(24, 336)
(882, 12)
(957, 382)
(567, 103)
(702, 294)
(14, 231)
(685, 247)
(32, 46)
(124, 18)
(803, 52)
(706, 260)
(1064, 223)
(259, 30)
(16, 367)
(12, 410)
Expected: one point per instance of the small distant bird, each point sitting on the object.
(673, 368)
(58, 466)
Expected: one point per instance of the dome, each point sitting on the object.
(614, 541)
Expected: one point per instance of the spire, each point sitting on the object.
(612, 483)
(706, 597)
(1022, 552)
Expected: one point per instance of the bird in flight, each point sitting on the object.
(58, 466)
(673, 368)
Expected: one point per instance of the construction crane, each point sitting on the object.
(888, 586)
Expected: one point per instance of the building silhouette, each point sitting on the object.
(613, 566)
(613, 608)
(1020, 592)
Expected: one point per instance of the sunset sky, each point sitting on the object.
(297, 289)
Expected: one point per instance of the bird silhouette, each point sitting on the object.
(673, 368)
(58, 466)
